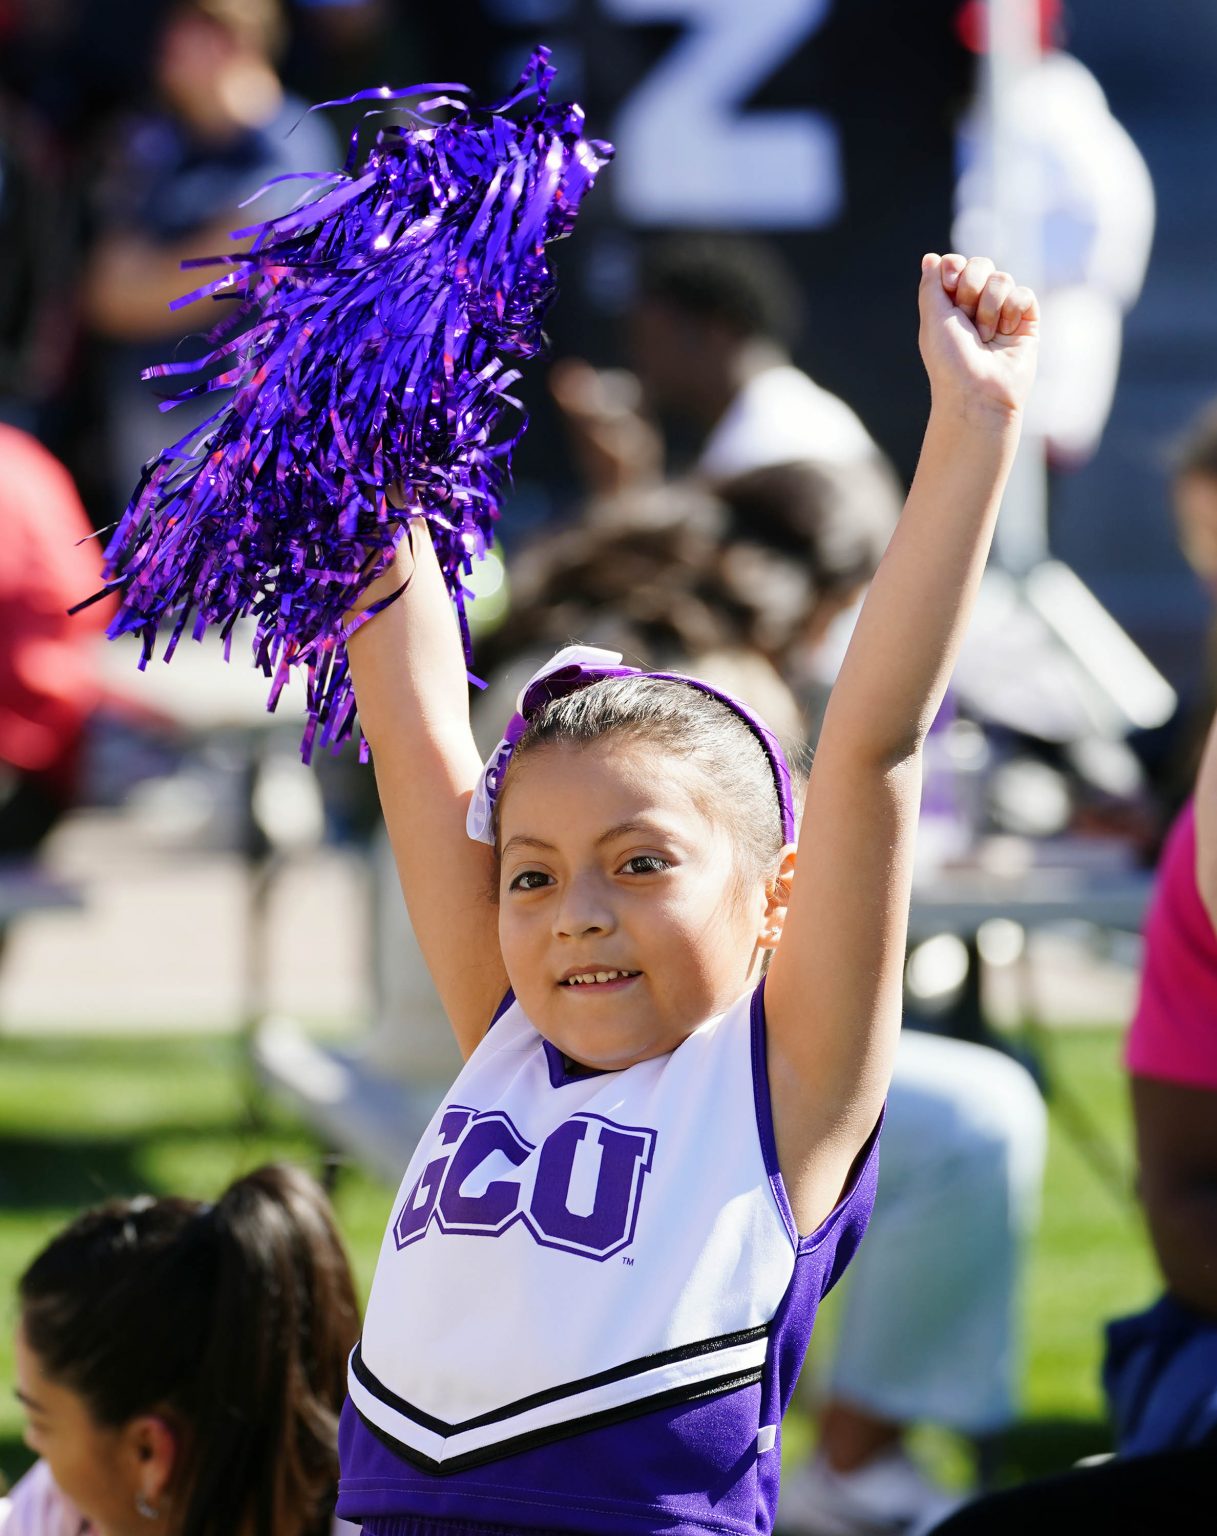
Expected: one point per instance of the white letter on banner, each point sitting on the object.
(688, 156)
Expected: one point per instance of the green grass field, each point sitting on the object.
(81, 1120)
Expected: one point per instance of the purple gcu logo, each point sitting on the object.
(579, 1190)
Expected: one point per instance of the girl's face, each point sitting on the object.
(623, 920)
(100, 1469)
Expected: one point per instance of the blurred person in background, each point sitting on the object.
(39, 242)
(182, 1367)
(219, 127)
(1087, 190)
(66, 70)
(1171, 1055)
(1173, 754)
(50, 683)
(660, 573)
(339, 47)
(834, 520)
(1160, 1370)
(749, 588)
(714, 390)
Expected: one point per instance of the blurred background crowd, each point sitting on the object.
(720, 435)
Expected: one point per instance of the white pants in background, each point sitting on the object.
(930, 1326)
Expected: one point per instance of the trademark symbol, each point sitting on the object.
(627, 1260)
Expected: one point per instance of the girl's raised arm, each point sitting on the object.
(834, 993)
(408, 667)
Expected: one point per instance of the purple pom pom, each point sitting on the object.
(373, 346)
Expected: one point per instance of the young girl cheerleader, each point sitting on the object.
(600, 1275)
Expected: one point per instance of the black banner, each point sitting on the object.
(823, 126)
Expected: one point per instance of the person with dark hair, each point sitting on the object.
(1172, 754)
(182, 1366)
(711, 329)
(219, 125)
(742, 284)
(834, 521)
(1194, 494)
(711, 333)
(663, 575)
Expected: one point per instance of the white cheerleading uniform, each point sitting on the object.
(571, 1252)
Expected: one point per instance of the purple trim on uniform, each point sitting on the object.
(562, 1070)
(509, 997)
(821, 1260)
(769, 1142)
(764, 1110)
(769, 1146)
(863, 1175)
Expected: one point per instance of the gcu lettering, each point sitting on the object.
(579, 1190)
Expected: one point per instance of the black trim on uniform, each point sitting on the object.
(384, 1394)
(673, 1398)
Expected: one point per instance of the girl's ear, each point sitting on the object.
(150, 1450)
(777, 897)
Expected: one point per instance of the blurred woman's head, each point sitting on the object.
(213, 63)
(637, 574)
(684, 570)
(832, 522)
(182, 1365)
(1194, 494)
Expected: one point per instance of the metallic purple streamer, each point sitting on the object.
(371, 348)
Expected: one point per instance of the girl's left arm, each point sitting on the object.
(833, 997)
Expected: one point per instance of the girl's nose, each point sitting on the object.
(583, 909)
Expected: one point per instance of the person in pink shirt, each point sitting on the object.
(1160, 1371)
(1173, 1038)
(1172, 1052)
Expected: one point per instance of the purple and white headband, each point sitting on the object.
(575, 667)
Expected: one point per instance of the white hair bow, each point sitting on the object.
(479, 822)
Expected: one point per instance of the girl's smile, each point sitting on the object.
(599, 979)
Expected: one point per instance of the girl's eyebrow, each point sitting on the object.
(520, 840)
(622, 829)
(625, 827)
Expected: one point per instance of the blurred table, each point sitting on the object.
(1066, 881)
(958, 900)
(1035, 885)
(206, 701)
(198, 692)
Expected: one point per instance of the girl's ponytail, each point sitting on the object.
(233, 1320)
(271, 1379)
